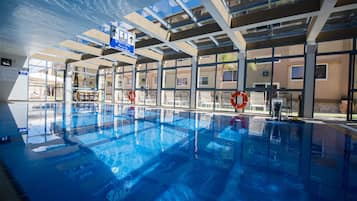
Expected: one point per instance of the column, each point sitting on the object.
(113, 84)
(241, 70)
(193, 83)
(309, 81)
(68, 92)
(133, 78)
(159, 83)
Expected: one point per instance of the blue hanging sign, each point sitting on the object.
(122, 40)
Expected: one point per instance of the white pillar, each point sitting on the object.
(241, 70)
(309, 81)
(193, 83)
(159, 84)
(68, 91)
(113, 85)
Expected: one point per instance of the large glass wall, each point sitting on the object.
(217, 81)
(275, 73)
(123, 83)
(84, 84)
(105, 84)
(176, 83)
(331, 79)
(146, 83)
(46, 80)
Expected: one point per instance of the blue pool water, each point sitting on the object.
(111, 152)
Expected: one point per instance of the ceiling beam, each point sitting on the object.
(121, 58)
(158, 18)
(223, 19)
(62, 53)
(317, 22)
(98, 61)
(155, 31)
(284, 13)
(148, 27)
(149, 54)
(98, 35)
(48, 58)
(81, 47)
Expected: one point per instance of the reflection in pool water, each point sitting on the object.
(116, 152)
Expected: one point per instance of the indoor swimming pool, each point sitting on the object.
(118, 152)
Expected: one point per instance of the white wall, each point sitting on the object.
(10, 81)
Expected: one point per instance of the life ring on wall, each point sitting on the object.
(244, 100)
(131, 96)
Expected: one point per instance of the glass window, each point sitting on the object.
(258, 102)
(207, 59)
(169, 63)
(331, 91)
(169, 78)
(184, 62)
(206, 77)
(289, 73)
(183, 80)
(140, 97)
(125, 97)
(227, 76)
(59, 94)
(128, 68)
(227, 57)
(182, 99)
(141, 80)
(119, 96)
(101, 82)
(141, 66)
(203, 81)
(258, 75)
(118, 69)
(223, 102)
(153, 65)
(289, 50)
(205, 100)
(151, 79)
(259, 53)
(297, 73)
(151, 97)
(292, 102)
(37, 62)
(37, 75)
(334, 46)
(128, 80)
(59, 78)
(321, 71)
(37, 92)
(167, 98)
(119, 78)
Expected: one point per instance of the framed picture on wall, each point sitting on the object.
(182, 81)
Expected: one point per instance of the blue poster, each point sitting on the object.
(122, 40)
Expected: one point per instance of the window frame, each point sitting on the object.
(291, 73)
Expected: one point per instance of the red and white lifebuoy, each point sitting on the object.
(244, 100)
(131, 96)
